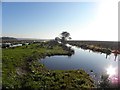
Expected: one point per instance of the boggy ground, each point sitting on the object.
(21, 69)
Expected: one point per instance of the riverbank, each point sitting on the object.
(106, 47)
(21, 69)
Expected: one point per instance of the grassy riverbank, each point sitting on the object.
(97, 46)
(104, 44)
(21, 69)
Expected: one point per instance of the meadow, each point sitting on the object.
(21, 69)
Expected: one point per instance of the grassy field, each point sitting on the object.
(21, 69)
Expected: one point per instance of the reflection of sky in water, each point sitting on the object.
(113, 73)
(112, 70)
(86, 60)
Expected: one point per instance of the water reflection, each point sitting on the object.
(109, 79)
(107, 54)
(113, 74)
(115, 56)
(94, 63)
(110, 71)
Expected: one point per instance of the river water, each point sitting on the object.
(94, 63)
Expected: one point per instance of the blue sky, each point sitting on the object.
(46, 20)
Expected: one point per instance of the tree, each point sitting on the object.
(64, 36)
(57, 39)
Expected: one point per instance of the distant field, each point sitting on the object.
(104, 44)
(20, 40)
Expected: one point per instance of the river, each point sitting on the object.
(94, 63)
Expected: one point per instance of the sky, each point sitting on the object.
(46, 20)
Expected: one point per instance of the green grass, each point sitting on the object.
(21, 69)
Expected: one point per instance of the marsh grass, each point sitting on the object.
(21, 70)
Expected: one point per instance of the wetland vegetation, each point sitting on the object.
(106, 47)
(21, 69)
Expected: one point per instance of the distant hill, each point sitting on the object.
(19, 40)
(8, 39)
(32, 39)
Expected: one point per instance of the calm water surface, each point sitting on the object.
(87, 60)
